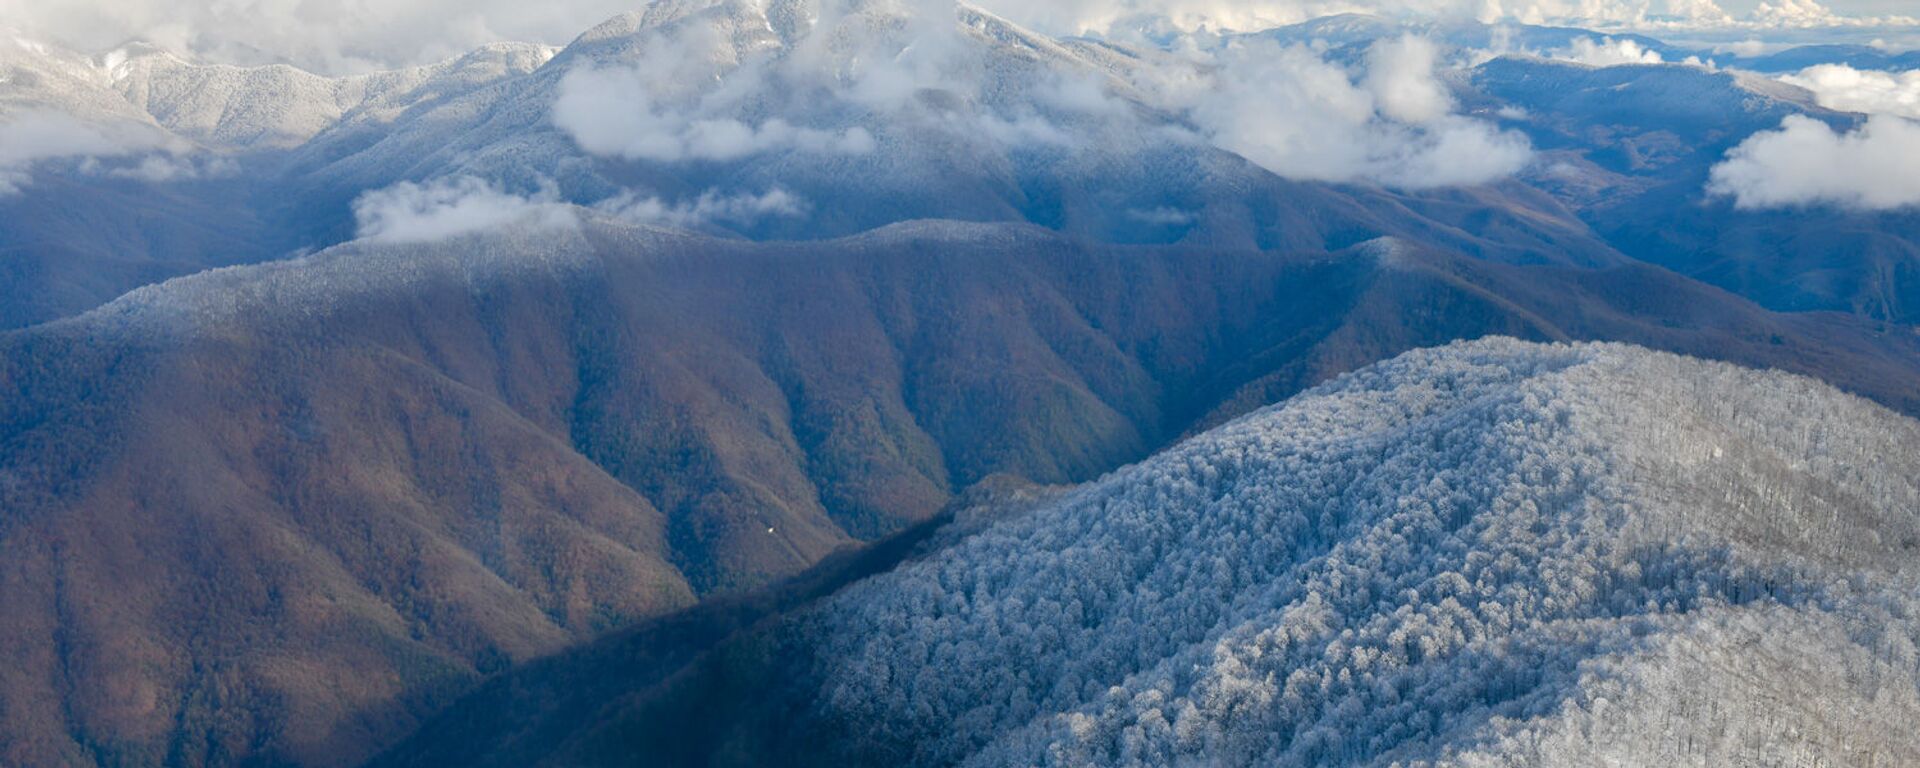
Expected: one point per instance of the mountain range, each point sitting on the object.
(851, 383)
(999, 124)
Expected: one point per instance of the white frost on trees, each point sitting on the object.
(1485, 554)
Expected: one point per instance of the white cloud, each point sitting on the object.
(329, 36)
(1794, 13)
(1838, 86)
(1454, 152)
(1748, 48)
(610, 112)
(1290, 112)
(1807, 163)
(885, 71)
(34, 136)
(1607, 52)
(1131, 18)
(1302, 117)
(1401, 76)
(667, 107)
(1114, 16)
(616, 112)
(446, 208)
(1699, 10)
(1119, 17)
(1081, 95)
(160, 168)
(692, 97)
(343, 36)
(711, 206)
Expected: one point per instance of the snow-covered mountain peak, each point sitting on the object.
(281, 106)
(226, 107)
(121, 62)
(742, 21)
(41, 77)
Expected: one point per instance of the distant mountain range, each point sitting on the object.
(524, 407)
(1624, 153)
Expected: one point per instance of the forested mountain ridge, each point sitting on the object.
(1491, 553)
(486, 449)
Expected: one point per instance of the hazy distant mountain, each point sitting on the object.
(1353, 32)
(1629, 148)
(1349, 34)
(194, 175)
(1486, 554)
(976, 119)
(1800, 57)
(228, 107)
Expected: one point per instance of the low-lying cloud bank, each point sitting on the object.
(33, 137)
(614, 112)
(1808, 163)
(1302, 117)
(1838, 86)
(447, 208)
(1607, 52)
(710, 207)
(1390, 120)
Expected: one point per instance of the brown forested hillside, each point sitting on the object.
(284, 512)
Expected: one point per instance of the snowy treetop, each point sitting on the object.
(1490, 553)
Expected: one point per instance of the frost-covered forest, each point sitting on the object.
(1491, 553)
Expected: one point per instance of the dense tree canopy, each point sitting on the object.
(1483, 554)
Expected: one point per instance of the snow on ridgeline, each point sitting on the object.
(143, 113)
(470, 234)
(278, 106)
(321, 284)
(297, 291)
(1491, 553)
(232, 107)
